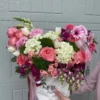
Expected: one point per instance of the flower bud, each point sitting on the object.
(16, 53)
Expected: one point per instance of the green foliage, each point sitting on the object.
(26, 22)
(21, 49)
(13, 59)
(46, 42)
(95, 41)
(40, 63)
(20, 26)
(17, 69)
(74, 46)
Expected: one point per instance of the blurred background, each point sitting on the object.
(46, 14)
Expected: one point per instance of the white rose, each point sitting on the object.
(11, 49)
(25, 31)
(58, 30)
(16, 53)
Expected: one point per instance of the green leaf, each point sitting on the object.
(95, 51)
(17, 69)
(21, 49)
(13, 59)
(74, 46)
(95, 41)
(46, 42)
(19, 26)
(22, 20)
(40, 63)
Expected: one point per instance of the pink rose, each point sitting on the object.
(21, 59)
(30, 54)
(19, 34)
(54, 73)
(43, 73)
(92, 47)
(12, 41)
(51, 68)
(79, 57)
(47, 53)
(11, 31)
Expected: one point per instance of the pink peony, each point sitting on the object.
(36, 32)
(11, 31)
(21, 42)
(47, 53)
(19, 34)
(21, 60)
(92, 47)
(43, 73)
(12, 41)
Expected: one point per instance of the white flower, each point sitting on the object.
(32, 45)
(52, 35)
(64, 51)
(58, 30)
(11, 49)
(25, 31)
(16, 53)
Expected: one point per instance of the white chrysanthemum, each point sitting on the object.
(64, 51)
(32, 45)
(52, 35)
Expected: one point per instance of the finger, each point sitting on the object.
(60, 95)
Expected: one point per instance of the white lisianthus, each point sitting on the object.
(16, 53)
(32, 45)
(52, 35)
(11, 49)
(25, 31)
(58, 30)
(64, 52)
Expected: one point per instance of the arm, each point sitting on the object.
(89, 84)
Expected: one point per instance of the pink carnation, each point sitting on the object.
(51, 68)
(36, 32)
(47, 53)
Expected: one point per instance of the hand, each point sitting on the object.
(60, 95)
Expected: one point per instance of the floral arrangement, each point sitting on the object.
(61, 54)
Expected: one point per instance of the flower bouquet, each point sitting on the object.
(56, 59)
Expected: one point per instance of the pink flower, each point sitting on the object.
(69, 26)
(21, 59)
(19, 34)
(51, 68)
(12, 41)
(36, 32)
(54, 73)
(21, 42)
(30, 54)
(92, 47)
(47, 53)
(11, 31)
(90, 37)
(79, 31)
(79, 57)
(43, 73)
